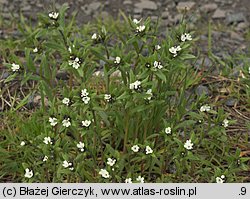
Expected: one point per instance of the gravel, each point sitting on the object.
(145, 4)
(187, 5)
(230, 14)
(235, 18)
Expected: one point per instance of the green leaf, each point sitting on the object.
(140, 109)
(223, 138)
(41, 33)
(25, 165)
(104, 117)
(62, 15)
(69, 28)
(136, 46)
(196, 116)
(124, 95)
(187, 56)
(98, 54)
(26, 77)
(47, 90)
(161, 75)
(45, 67)
(129, 104)
(55, 46)
(190, 156)
(29, 61)
(110, 150)
(124, 16)
(10, 78)
(185, 124)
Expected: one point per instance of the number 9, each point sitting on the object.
(243, 191)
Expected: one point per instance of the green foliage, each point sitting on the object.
(141, 93)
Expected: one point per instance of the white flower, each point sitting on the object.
(104, 173)
(225, 123)
(186, 36)
(148, 150)
(71, 168)
(86, 100)
(135, 85)
(77, 59)
(53, 15)
(188, 145)
(249, 70)
(94, 36)
(160, 66)
(66, 164)
(28, 173)
(157, 65)
(168, 130)
(80, 146)
(84, 93)
(220, 179)
(86, 123)
(128, 180)
(117, 60)
(205, 108)
(140, 179)
(136, 21)
(135, 148)
(174, 50)
(69, 49)
(47, 140)
(157, 47)
(75, 63)
(45, 158)
(111, 162)
(35, 50)
(53, 121)
(15, 67)
(22, 143)
(107, 97)
(140, 28)
(66, 122)
(149, 92)
(66, 101)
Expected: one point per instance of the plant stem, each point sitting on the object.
(126, 133)
(71, 81)
(137, 126)
(145, 131)
(64, 39)
(106, 49)
(209, 39)
(95, 135)
(108, 76)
